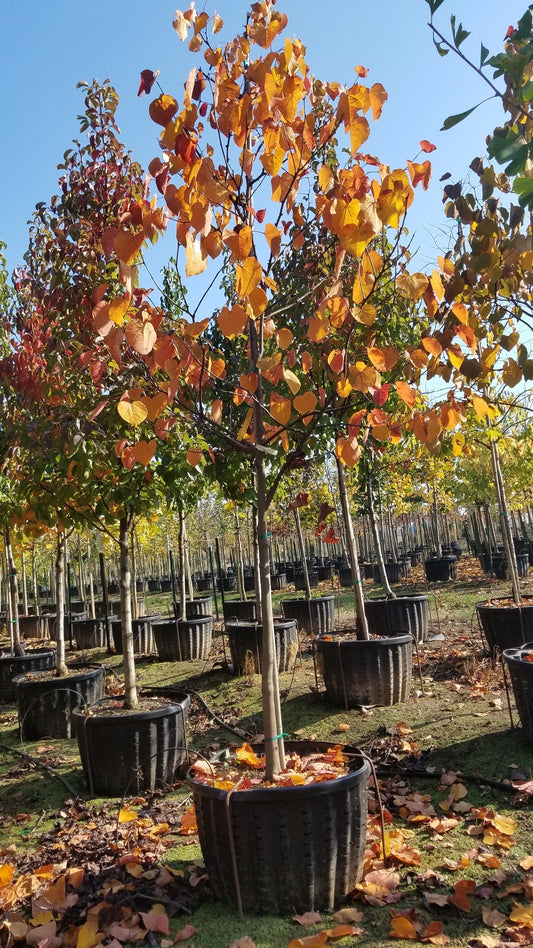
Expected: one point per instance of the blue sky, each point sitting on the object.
(47, 47)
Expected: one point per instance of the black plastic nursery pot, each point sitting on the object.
(13, 665)
(91, 633)
(127, 752)
(296, 849)
(393, 571)
(143, 637)
(519, 662)
(278, 581)
(45, 704)
(183, 640)
(398, 616)
(200, 606)
(505, 625)
(316, 616)
(35, 627)
(240, 610)
(299, 579)
(245, 641)
(440, 569)
(359, 672)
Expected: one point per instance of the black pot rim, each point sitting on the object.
(339, 638)
(418, 597)
(255, 794)
(323, 598)
(28, 653)
(22, 681)
(514, 655)
(495, 603)
(181, 706)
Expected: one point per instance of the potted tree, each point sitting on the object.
(279, 125)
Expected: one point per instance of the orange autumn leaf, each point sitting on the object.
(144, 451)
(194, 457)
(280, 408)
(188, 826)
(247, 277)
(127, 245)
(406, 393)
(232, 322)
(402, 927)
(246, 755)
(462, 889)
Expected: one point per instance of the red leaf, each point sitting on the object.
(426, 146)
(147, 80)
(260, 215)
(380, 395)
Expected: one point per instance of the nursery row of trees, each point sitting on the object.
(322, 339)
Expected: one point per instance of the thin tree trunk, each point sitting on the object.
(301, 545)
(24, 584)
(187, 561)
(377, 542)
(353, 559)
(239, 556)
(61, 665)
(257, 567)
(13, 597)
(505, 525)
(134, 600)
(128, 650)
(181, 560)
(35, 584)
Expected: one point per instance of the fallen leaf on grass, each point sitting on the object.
(493, 918)
(244, 942)
(378, 887)
(155, 923)
(526, 863)
(346, 915)
(186, 933)
(462, 889)
(308, 918)
(522, 914)
(325, 937)
(341, 728)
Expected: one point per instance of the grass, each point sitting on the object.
(458, 720)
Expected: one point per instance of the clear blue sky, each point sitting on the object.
(47, 47)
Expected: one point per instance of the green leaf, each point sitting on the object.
(434, 5)
(524, 188)
(484, 55)
(455, 119)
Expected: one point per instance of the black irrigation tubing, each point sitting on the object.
(38, 763)
(218, 720)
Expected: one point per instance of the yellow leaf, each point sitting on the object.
(88, 934)
(403, 927)
(411, 285)
(243, 430)
(126, 814)
(522, 914)
(505, 825)
(292, 381)
(118, 308)
(280, 408)
(480, 406)
(284, 338)
(273, 238)
(247, 277)
(305, 403)
(195, 258)
(133, 413)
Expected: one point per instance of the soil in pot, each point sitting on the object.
(45, 702)
(126, 752)
(362, 673)
(398, 616)
(316, 616)
(246, 645)
(13, 665)
(504, 624)
(297, 848)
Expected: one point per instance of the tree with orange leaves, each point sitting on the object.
(258, 156)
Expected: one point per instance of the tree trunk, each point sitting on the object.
(133, 581)
(13, 596)
(35, 584)
(504, 518)
(181, 560)
(239, 557)
(61, 665)
(24, 584)
(377, 542)
(272, 725)
(301, 545)
(128, 650)
(187, 561)
(257, 568)
(353, 559)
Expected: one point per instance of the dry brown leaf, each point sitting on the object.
(493, 918)
(308, 918)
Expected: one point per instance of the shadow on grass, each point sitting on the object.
(489, 755)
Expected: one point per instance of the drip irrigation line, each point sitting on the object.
(38, 763)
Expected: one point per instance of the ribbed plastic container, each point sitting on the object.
(316, 616)
(13, 665)
(297, 849)
(398, 616)
(246, 645)
(506, 625)
(143, 637)
(91, 633)
(130, 752)
(440, 569)
(35, 627)
(197, 607)
(184, 641)
(45, 704)
(366, 672)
